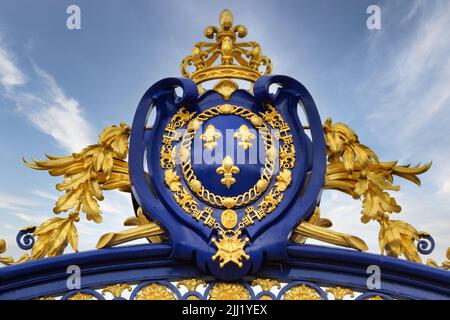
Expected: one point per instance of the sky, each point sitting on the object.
(59, 88)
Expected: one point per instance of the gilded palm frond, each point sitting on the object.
(85, 175)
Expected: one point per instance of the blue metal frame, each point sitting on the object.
(189, 253)
(322, 266)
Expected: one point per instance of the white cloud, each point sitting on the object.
(12, 202)
(409, 88)
(46, 106)
(445, 187)
(413, 83)
(21, 207)
(29, 218)
(55, 114)
(10, 75)
(416, 6)
(46, 195)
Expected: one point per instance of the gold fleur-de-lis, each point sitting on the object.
(227, 169)
(210, 136)
(245, 137)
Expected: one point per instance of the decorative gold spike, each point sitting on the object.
(238, 60)
(227, 169)
(245, 137)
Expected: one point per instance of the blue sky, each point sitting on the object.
(60, 87)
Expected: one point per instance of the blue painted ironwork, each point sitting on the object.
(191, 239)
(426, 244)
(322, 266)
(25, 239)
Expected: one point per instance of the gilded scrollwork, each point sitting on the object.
(201, 289)
(229, 291)
(266, 284)
(191, 284)
(117, 289)
(155, 291)
(355, 169)
(302, 292)
(339, 293)
(81, 296)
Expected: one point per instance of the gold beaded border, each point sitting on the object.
(269, 166)
(187, 201)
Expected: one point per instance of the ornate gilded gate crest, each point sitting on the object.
(230, 209)
(207, 208)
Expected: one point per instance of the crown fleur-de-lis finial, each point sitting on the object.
(241, 60)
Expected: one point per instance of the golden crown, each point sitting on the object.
(237, 60)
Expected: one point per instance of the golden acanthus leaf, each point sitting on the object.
(343, 146)
(9, 261)
(54, 235)
(85, 175)
(354, 169)
(397, 238)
